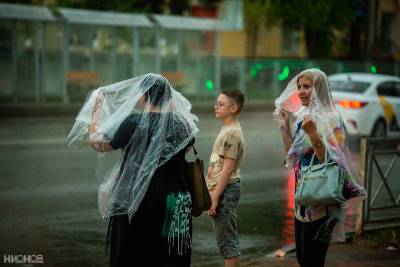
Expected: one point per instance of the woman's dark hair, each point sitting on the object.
(159, 91)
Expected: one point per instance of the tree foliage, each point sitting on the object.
(318, 18)
(255, 14)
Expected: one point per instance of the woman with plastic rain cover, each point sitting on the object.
(144, 191)
(310, 124)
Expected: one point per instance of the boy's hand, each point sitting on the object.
(209, 171)
(227, 170)
(214, 205)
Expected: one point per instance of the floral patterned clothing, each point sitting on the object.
(336, 144)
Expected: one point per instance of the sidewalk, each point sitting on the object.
(358, 254)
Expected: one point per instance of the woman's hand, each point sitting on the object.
(100, 146)
(284, 123)
(95, 139)
(93, 127)
(309, 126)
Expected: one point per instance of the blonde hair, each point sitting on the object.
(305, 74)
(320, 84)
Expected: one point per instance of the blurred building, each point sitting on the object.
(57, 55)
(385, 29)
(375, 28)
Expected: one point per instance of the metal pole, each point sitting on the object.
(43, 64)
(114, 53)
(38, 58)
(14, 70)
(92, 52)
(367, 66)
(368, 180)
(135, 51)
(339, 67)
(309, 64)
(217, 74)
(241, 74)
(396, 69)
(371, 27)
(179, 52)
(359, 224)
(275, 81)
(200, 77)
(158, 51)
(65, 61)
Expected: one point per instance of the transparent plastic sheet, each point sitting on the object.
(163, 125)
(330, 128)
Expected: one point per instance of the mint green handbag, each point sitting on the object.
(321, 184)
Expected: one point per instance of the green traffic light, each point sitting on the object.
(210, 85)
(284, 74)
(255, 69)
(372, 69)
(253, 72)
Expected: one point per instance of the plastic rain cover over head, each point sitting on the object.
(161, 123)
(330, 127)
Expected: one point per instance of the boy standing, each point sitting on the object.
(223, 178)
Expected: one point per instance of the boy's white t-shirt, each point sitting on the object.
(230, 144)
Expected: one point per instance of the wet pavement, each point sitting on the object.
(48, 194)
(361, 253)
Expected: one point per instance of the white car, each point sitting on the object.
(369, 103)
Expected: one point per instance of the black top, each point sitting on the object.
(159, 234)
(125, 130)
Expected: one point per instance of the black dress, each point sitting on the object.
(160, 232)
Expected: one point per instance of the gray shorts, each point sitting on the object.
(225, 222)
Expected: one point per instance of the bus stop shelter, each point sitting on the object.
(58, 55)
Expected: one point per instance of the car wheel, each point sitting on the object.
(379, 129)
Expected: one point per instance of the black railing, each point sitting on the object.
(380, 172)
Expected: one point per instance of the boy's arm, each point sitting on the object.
(227, 170)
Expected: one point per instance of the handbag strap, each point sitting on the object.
(313, 157)
(195, 152)
(198, 159)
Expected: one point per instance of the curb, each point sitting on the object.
(16, 110)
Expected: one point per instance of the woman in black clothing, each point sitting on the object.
(145, 240)
(146, 195)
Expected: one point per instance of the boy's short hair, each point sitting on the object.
(236, 96)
